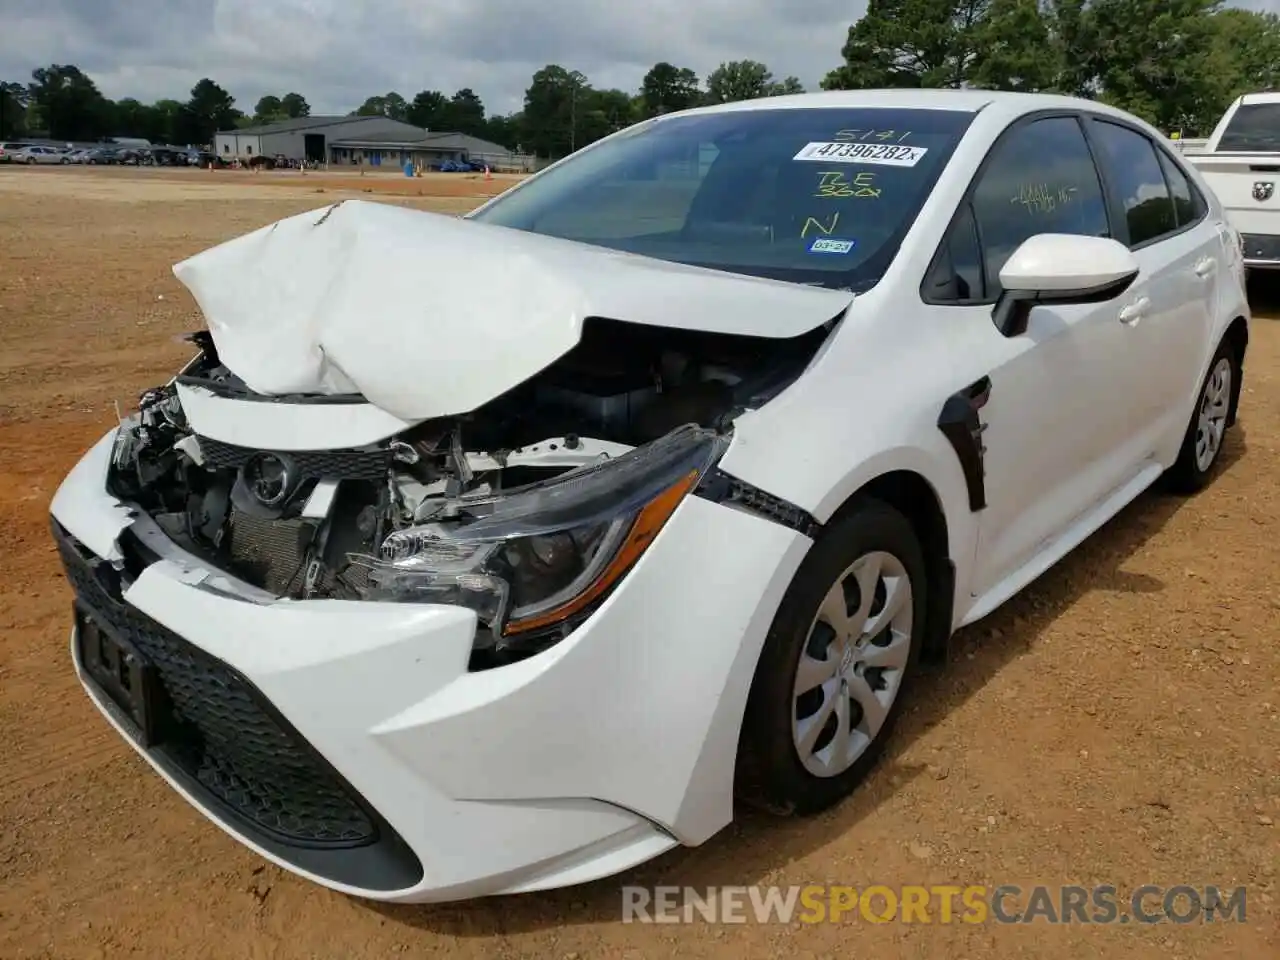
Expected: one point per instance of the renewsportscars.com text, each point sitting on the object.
(1005, 904)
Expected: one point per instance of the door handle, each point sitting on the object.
(1135, 311)
(1205, 267)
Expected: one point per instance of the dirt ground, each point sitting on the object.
(1117, 723)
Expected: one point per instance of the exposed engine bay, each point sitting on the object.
(527, 509)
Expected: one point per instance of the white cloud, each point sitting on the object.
(338, 52)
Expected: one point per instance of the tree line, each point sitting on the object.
(562, 111)
(1177, 63)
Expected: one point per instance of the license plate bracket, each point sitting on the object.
(121, 672)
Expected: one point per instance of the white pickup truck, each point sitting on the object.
(1241, 162)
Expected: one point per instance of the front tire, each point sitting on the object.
(836, 662)
(1201, 451)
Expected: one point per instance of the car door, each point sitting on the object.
(1054, 425)
(1173, 300)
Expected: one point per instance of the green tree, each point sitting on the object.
(268, 109)
(389, 105)
(1244, 56)
(785, 87)
(746, 80)
(1155, 58)
(295, 106)
(167, 114)
(603, 112)
(551, 116)
(1070, 27)
(911, 43)
(1016, 49)
(465, 113)
(131, 118)
(504, 130)
(428, 110)
(667, 88)
(70, 104)
(14, 98)
(209, 110)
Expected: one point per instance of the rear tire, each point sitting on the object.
(836, 664)
(1201, 451)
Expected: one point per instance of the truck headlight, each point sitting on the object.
(534, 556)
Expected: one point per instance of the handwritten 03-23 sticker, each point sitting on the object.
(884, 154)
(831, 245)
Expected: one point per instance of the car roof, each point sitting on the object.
(963, 101)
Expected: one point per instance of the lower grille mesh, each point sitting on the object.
(222, 737)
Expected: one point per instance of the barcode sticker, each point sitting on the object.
(882, 154)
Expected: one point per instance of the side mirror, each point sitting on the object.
(1060, 268)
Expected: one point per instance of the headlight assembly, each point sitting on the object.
(536, 556)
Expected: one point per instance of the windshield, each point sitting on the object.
(1254, 128)
(821, 196)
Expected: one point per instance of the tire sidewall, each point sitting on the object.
(770, 771)
(1186, 471)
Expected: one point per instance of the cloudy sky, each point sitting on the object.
(337, 52)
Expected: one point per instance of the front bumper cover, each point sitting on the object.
(598, 754)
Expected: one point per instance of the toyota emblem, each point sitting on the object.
(269, 478)
(1263, 189)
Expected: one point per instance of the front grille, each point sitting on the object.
(221, 736)
(1260, 247)
(367, 464)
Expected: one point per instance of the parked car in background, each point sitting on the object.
(36, 154)
(102, 155)
(7, 150)
(1241, 163)
(202, 158)
(458, 166)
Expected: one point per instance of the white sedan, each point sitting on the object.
(38, 154)
(484, 555)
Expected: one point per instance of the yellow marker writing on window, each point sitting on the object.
(826, 229)
(836, 184)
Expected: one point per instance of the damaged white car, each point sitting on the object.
(473, 556)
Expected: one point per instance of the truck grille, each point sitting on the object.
(229, 744)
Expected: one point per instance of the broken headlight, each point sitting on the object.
(535, 556)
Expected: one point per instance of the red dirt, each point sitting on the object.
(1117, 723)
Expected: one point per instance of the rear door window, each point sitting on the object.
(1132, 168)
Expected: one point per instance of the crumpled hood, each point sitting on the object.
(429, 315)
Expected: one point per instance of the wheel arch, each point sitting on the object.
(1237, 336)
(917, 499)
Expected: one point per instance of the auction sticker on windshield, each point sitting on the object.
(828, 245)
(885, 154)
